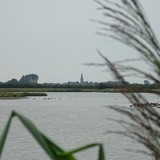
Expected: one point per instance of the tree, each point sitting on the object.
(13, 81)
(29, 79)
(129, 26)
(146, 82)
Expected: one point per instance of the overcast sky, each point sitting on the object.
(53, 38)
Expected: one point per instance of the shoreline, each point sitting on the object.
(22, 93)
(42, 91)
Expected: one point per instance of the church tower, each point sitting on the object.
(81, 79)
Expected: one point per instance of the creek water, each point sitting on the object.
(71, 120)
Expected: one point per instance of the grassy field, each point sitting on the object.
(39, 91)
(46, 90)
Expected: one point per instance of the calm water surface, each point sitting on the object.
(71, 120)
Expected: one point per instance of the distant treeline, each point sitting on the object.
(80, 86)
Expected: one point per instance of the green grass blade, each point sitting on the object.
(57, 151)
(4, 134)
(100, 155)
(53, 150)
(36, 134)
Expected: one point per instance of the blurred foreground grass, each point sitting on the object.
(51, 149)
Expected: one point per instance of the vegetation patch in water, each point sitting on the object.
(34, 94)
(11, 94)
(20, 94)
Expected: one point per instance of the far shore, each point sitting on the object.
(24, 92)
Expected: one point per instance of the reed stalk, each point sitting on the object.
(126, 22)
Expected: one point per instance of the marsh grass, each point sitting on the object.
(34, 94)
(11, 94)
(20, 94)
(51, 149)
(130, 26)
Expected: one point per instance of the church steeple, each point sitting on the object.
(81, 79)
